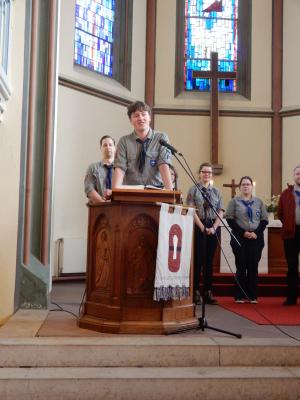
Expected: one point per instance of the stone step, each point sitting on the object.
(148, 351)
(209, 383)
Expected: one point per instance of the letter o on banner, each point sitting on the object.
(175, 241)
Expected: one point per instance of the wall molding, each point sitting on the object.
(101, 94)
(291, 112)
(206, 112)
(93, 91)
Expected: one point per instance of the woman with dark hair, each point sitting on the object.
(247, 217)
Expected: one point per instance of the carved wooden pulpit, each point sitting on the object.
(121, 260)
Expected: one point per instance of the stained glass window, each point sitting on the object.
(94, 27)
(210, 26)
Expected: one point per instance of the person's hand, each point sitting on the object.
(210, 231)
(248, 235)
(253, 235)
(107, 194)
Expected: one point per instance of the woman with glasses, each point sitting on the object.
(206, 231)
(247, 217)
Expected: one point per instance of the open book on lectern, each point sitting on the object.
(140, 187)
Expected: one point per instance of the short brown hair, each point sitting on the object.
(205, 164)
(106, 137)
(138, 106)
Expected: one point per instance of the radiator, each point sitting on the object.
(71, 255)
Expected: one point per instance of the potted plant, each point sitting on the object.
(272, 206)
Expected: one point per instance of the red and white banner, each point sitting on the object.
(172, 276)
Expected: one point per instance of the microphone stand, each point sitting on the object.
(202, 321)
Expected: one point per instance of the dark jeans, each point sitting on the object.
(247, 258)
(292, 249)
(204, 257)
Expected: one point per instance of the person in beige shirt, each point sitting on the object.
(98, 177)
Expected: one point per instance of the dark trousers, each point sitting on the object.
(292, 249)
(247, 258)
(204, 250)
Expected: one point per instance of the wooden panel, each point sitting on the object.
(121, 259)
(276, 258)
(147, 196)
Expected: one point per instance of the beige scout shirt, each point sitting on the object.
(127, 156)
(95, 178)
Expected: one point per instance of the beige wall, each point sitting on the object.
(10, 142)
(83, 119)
(291, 145)
(291, 55)
(242, 151)
(79, 129)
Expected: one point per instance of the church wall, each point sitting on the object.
(290, 148)
(245, 145)
(10, 142)
(190, 135)
(79, 129)
(67, 69)
(291, 56)
(83, 119)
(291, 90)
(261, 62)
(238, 137)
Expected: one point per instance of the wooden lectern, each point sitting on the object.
(121, 259)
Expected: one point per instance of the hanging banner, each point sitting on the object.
(175, 237)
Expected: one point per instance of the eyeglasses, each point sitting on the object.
(246, 184)
(206, 172)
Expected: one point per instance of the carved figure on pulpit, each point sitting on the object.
(103, 261)
(142, 261)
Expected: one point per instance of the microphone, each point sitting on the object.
(168, 146)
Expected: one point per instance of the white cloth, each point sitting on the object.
(172, 276)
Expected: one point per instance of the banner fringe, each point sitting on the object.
(171, 293)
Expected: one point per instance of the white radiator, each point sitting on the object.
(71, 255)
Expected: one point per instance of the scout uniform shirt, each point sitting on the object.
(195, 198)
(237, 211)
(95, 178)
(128, 157)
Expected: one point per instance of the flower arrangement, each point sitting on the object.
(272, 204)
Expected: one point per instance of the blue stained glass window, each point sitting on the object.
(210, 26)
(94, 24)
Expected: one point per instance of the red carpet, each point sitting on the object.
(270, 307)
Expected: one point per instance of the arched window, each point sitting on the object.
(103, 32)
(5, 91)
(222, 26)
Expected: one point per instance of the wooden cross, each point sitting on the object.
(233, 186)
(214, 75)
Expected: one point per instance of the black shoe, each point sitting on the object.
(289, 302)
(209, 299)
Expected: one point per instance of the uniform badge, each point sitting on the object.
(152, 163)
